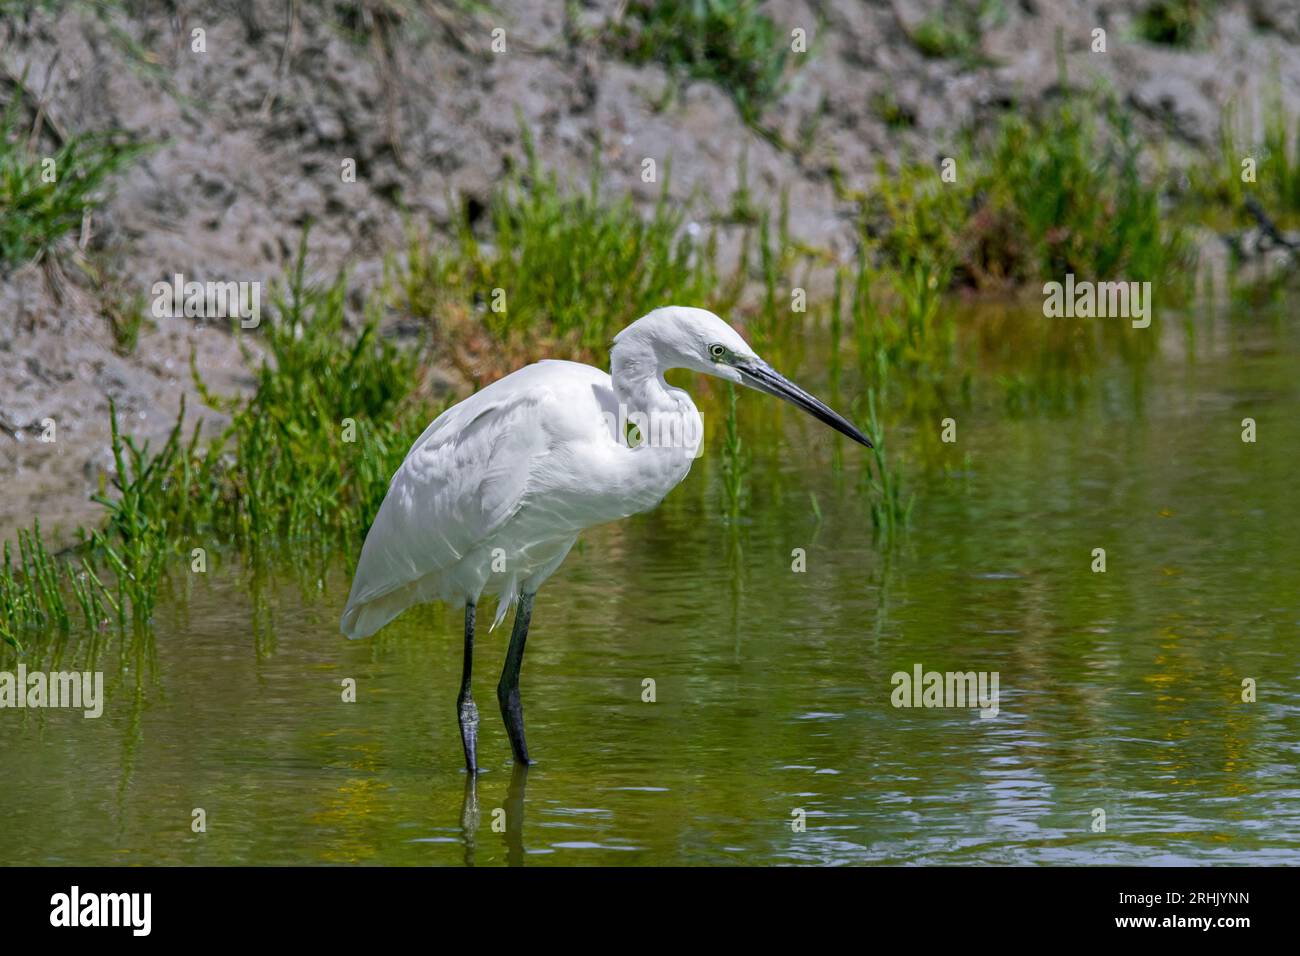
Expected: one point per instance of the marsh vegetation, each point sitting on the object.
(554, 271)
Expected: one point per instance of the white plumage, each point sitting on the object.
(493, 495)
(508, 478)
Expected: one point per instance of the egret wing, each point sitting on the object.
(461, 480)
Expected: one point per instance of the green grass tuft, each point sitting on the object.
(953, 31)
(1216, 182)
(306, 458)
(1049, 195)
(728, 42)
(1177, 23)
(891, 511)
(34, 214)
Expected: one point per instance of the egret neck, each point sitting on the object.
(665, 415)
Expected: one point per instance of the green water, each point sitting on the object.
(1118, 691)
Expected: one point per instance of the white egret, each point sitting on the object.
(493, 495)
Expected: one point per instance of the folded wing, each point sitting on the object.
(462, 479)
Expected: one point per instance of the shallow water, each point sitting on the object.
(1118, 692)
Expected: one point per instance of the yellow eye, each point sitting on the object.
(716, 352)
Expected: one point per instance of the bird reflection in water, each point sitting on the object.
(514, 816)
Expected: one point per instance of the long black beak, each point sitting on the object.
(758, 374)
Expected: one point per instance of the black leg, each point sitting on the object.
(508, 690)
(465, 709)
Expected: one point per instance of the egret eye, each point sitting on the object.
(716, 352)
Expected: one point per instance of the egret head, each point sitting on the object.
(682, 337)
